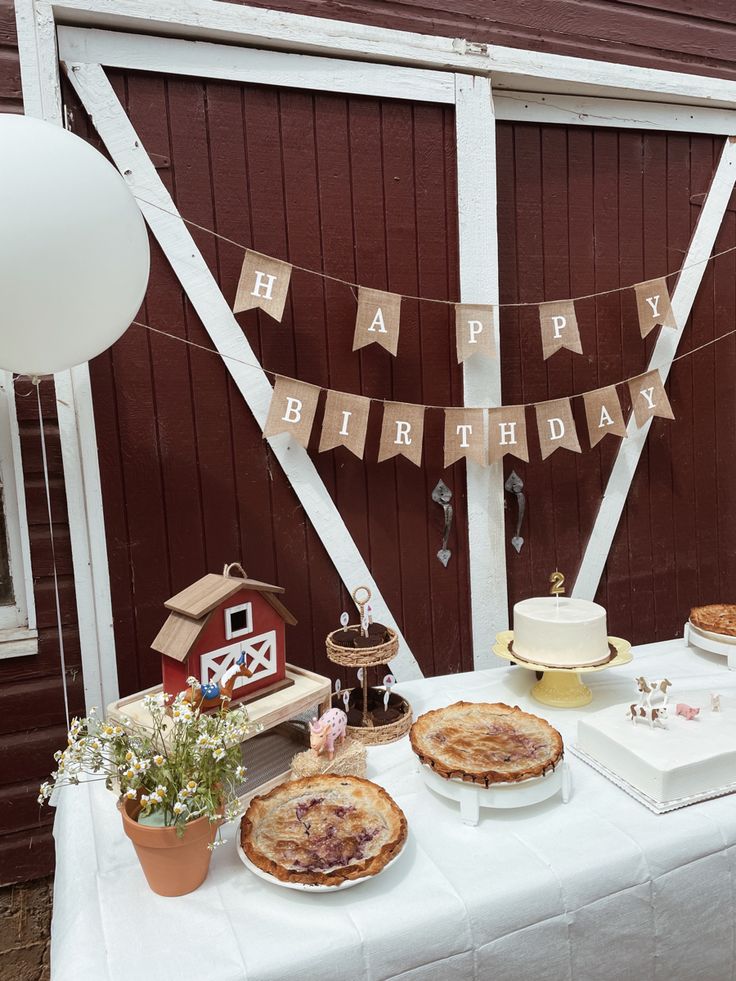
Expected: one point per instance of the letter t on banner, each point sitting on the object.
(377, 320)
(401, 432)
(556, 427)
(464, 436)
(263, 285)
(292, 409)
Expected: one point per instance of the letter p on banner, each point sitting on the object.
(292, 409)
(263, 285)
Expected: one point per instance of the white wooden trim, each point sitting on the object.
(627, 458)
(205, 60)
(540, 107)
(478, 246)
(39, 64)
(130, 157)
(512, 68)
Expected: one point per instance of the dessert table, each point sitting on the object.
(598, 888)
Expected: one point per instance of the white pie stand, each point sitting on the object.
(706, 640)
(471, 796)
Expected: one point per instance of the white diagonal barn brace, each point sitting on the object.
(128, 154)
(627, 458)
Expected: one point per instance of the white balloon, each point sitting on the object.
(74, 256)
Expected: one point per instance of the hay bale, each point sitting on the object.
(349, 761)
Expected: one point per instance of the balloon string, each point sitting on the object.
(44, 458)
(428, 299)
(278, 374)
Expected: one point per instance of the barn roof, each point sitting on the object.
(192, 607)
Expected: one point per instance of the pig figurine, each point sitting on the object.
(324, 732)
(687, 710)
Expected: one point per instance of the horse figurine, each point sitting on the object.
(213, 693)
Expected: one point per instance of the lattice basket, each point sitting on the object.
(382, 734)
(362, 657)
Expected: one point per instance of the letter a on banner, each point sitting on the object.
(653, 306)
(559, 327)
(603, 414)
(648, 398)
(401, 432)
(464, 436)
(507, 433)
(345, 422)
(263, 285)
(292, 409)
(556, 427)
(377, 321)
(474, 331)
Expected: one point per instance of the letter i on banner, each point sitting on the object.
(263, 285)
(474, 331)
(464, 436)
(653, 306)
(345, 422)
(507, 433)
(559, 327)
(377, 320)
(648, 398)
(556, 427)
(603, 414)
(401, 432)
(292, 409)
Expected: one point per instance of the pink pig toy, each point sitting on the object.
(687, 710)
(324, 733)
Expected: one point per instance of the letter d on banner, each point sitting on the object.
(556, 427)
(292, 409)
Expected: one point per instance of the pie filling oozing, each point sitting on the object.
(486, 743)
(323, 828)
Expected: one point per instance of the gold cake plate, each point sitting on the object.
(562, 687)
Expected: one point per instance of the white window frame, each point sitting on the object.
(231, 634)
(18, 634)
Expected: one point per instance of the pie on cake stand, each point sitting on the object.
(713, 629)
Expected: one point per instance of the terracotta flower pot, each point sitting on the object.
(172, 865)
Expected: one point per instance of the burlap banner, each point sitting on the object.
(464, 436)
(401, 432)
(556, 427)
(345, 422)
(603, 414)
(559, 327)
(474, 331)
(377, 320)
(653, 306)
(507, 433)
(292, 409)
(648, 398)
(263, 285)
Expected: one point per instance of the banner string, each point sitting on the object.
(274, 374)
(428, 299)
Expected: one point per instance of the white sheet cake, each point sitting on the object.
(682, 760)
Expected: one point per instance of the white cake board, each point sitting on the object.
(705, 640)
(658, 807)
(471, 796)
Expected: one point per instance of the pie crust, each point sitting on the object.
(486, 743)
(719, 618)
(323, 829)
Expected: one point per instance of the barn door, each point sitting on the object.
(375, 174)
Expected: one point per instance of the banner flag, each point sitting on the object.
(507, 433)
(556, 427)
(345, 422)
(292, 409)
(464, 436)
(263, 285)
(377, 320)
(474, 330)
(603, 414)
(653, 306)
(401, 432)
(648, 398)
(559, 327)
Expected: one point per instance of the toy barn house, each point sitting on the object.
(215, 620)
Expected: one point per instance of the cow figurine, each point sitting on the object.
(323, 733)
(655, 716)
(687, 711)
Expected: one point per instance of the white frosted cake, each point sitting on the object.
(685, 759)
(565, 632)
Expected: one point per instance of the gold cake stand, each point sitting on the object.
(562, 687)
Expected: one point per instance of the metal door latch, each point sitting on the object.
(515, 485)
(443, 495)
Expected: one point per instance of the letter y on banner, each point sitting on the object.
(401, 432)
(292, 409)
(648, 398)
(653, 306)
(263, 285)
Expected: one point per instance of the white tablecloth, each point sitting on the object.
(596, 889)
